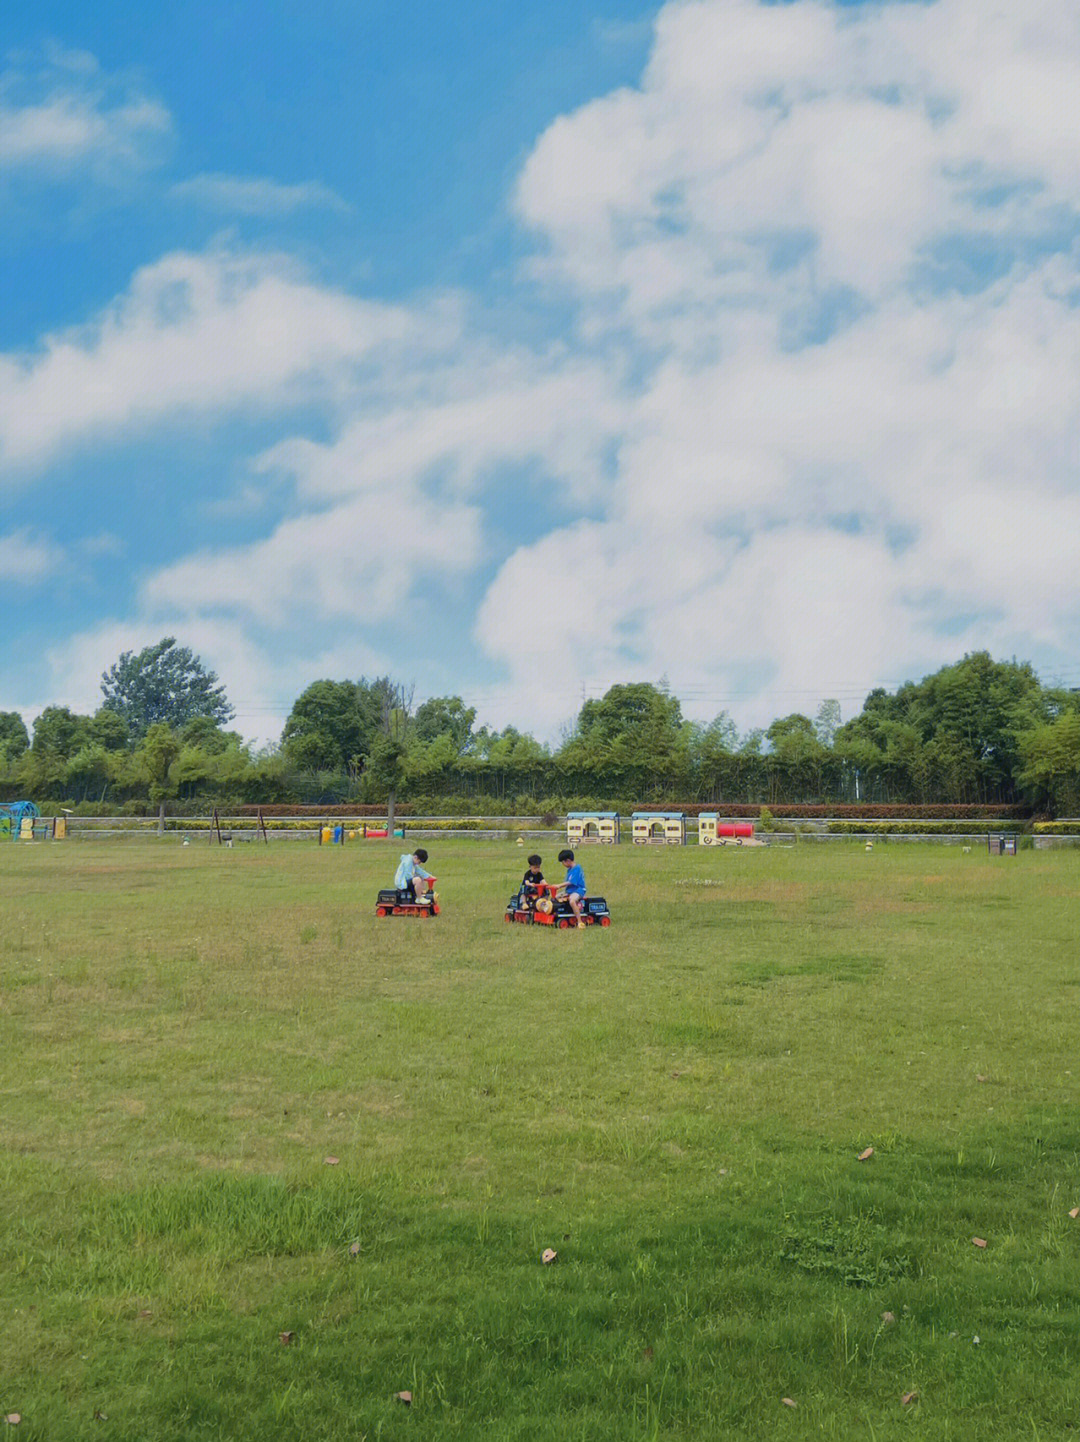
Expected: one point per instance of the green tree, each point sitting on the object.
(954, 735)
(445, 716)
(712, 748)
(827, 722)
(90, 772)
(204, 733)
(152, 761)
(14, 737)
(333, 723)
(796, 760)
(59, 732)
(388, 757)
(632, 741)
(163, 683)
(1050, 773)
(108, 730)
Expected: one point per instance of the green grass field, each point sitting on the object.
(676, 1105)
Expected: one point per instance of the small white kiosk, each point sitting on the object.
(584, 828)
(658, 828)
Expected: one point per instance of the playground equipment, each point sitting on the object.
(394, 901)
(544, 905)
(22, 821)
(338, 832)
(714, 832)
(658, 828)
(591, 827)
(225, 838)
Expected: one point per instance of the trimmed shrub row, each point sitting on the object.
(918, 828)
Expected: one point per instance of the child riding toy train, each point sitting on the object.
(540, 903)
(413, 892)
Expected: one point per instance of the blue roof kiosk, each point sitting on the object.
(584, 828)
(658, 828)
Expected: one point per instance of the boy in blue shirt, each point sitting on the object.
(574, 885)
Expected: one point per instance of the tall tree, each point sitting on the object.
(14, 737)
(163, 683)
(632, 739)
(442, 716)
(827, 721)
(387, 760)
(59, 732)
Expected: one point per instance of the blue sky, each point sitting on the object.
(520, 349)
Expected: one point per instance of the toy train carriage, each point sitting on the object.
(542, 906)
(395, 902)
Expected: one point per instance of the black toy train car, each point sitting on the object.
(395, 902)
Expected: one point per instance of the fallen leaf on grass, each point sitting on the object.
(979, 1078)
(1075, 1213)
(285, 1338)
(788, 1402)
(354, 1250)
(979, 1241)
(888, 1318)
(405, 1397)
(330, 1161)
(865, 1156)
(13, 1419)
(146, 1312)
(100, 1416)
(548, 1256)
(907, 1399)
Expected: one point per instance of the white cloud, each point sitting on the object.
(65, 116)
(255, 195)
(470, 417)
(194, 334)
(815, 424)
(839, 463)
(356, 561)
(29, 559)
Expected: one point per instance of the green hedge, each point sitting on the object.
(919, 828)
(1057, 828)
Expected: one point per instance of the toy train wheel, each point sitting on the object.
(381, 911)
(564, 924)
(605, 921)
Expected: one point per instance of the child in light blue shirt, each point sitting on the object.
(411, 870)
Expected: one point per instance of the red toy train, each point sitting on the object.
(394, 901)
(541, 905)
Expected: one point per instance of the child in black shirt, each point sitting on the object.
(530, 881)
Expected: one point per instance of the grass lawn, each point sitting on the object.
(675, 1105)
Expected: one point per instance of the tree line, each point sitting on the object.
(978, 731)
